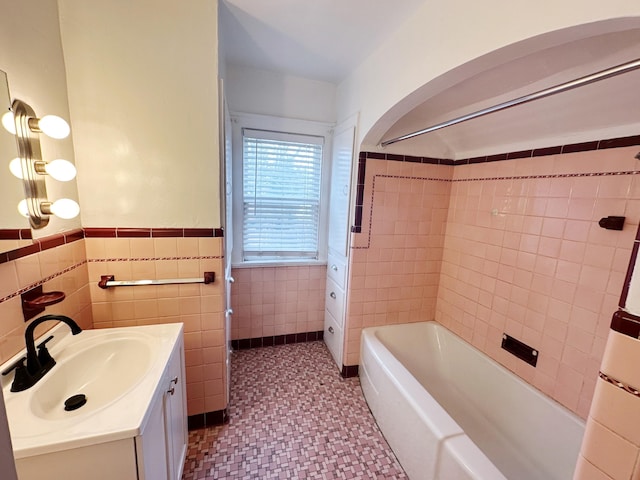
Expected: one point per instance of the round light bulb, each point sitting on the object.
(22, 208)
(65, 208)
(60, 169)
(54, 126)
(8, 123)
(15, 166)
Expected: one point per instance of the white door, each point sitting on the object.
(226, 214)
(341, 166)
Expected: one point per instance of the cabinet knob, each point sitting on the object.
(334, 267)
(330, 329)
(174, 380)
(172, 390)
(332, 295)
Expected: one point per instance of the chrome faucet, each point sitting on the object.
(38, 362)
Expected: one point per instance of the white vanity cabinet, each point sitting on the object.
(152, 448)
(338, 239)
(334, 307)
(164, 436)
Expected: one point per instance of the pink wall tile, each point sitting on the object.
(65, 270)
(269, 301)
(541, 268)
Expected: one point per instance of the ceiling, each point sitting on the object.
(606, 109)
(319, 40)
(327, 40)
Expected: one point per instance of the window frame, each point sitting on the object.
(242, 121)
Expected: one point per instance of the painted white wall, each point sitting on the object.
(444, 35)
(31, 55)
(143, 92)
(262, 92)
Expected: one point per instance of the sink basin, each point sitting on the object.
(103, 373)
(118, 371)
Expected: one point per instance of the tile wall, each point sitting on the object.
(611, 445)
(395, 261)
(274, 301)
(514, 246)
(74, 264)
(524, 255)
(63, 267)
(199, 306)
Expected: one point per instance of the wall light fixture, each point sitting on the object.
(31, 168)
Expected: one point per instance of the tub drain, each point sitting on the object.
(75, 402)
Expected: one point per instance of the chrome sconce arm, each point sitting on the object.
(33, 168)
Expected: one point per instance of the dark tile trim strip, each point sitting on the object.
(617, 383)
(120, 232)
(538, 152)
(626, 324)
(42, 244)
(362, 166)
(15, 234)
(475, 179)
(247, 343)
(627, 279)
(208, 419)
(152, 259)
(41, 282)
(349, 371)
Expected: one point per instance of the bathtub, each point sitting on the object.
(449, 412)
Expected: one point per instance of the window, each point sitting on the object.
(281, 196)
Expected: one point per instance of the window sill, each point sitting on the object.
(280, 263)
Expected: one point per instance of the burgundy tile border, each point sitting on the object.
(475, 179)
(42, 244)
(617, 383)
(626, 324)
(15, 234)
(627, 279)
(41, 282)
(349, 371)
(207, 419)
(270, 341)
(538, 152)
(127, 232)
(152, 259)
(53, 241)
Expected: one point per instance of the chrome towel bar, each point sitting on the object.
(107, 281)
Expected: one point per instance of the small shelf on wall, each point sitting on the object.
(36, 300)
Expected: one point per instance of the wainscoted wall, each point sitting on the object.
(541, 270)
(138, 254)
(74, 264)
(275, 301)
(395, 261)
(58, 263)
(522, 254)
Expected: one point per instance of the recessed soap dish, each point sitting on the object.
(35, 300)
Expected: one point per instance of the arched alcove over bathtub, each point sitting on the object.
(491, 227)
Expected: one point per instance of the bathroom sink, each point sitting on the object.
(101, 372)
(117, 370)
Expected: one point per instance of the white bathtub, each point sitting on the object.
(451, 413)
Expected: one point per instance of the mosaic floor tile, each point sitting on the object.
(291, 416)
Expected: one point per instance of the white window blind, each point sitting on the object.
(281, 195)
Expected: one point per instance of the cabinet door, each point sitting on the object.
(175, 414)
(341, 162)
(151, 446)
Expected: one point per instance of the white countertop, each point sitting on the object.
(123, 417)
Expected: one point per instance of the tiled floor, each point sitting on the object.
(292, 417)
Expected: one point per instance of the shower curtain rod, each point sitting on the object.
(547, 92)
